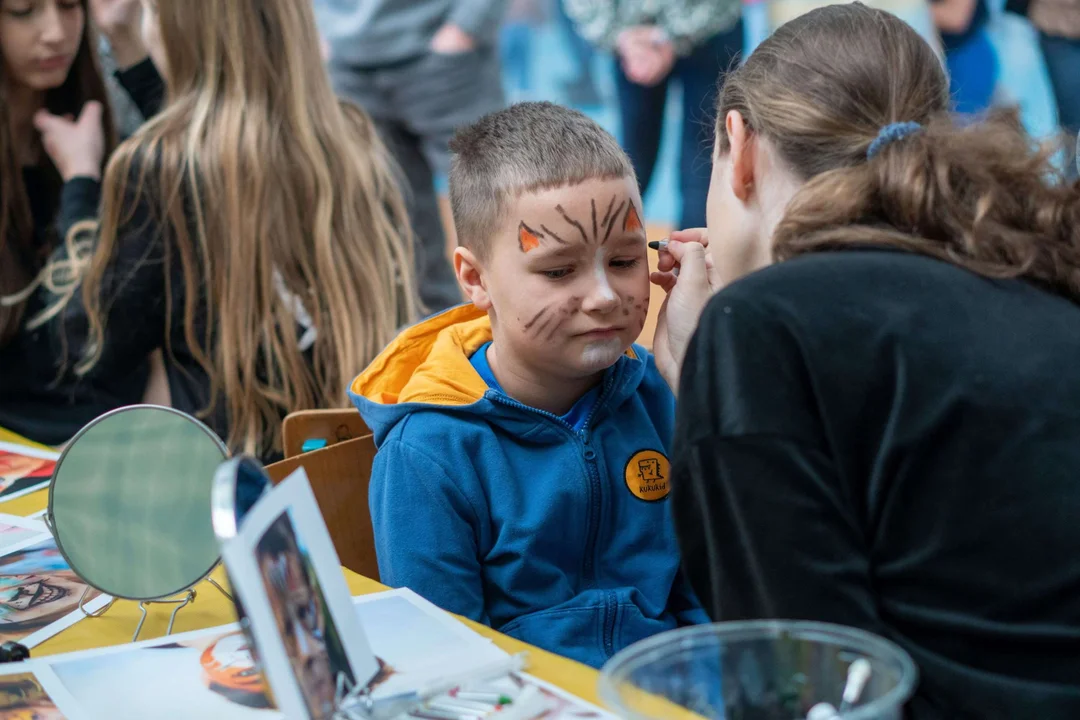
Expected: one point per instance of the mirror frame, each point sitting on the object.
(50, 520)
(223, 495)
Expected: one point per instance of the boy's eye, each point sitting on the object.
(70, 4)
(558, 274)
(625, 263)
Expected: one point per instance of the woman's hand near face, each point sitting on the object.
(686, 273)
(646, 54)
(76, 147)
(120, 21)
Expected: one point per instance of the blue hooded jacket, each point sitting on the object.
(506, 515)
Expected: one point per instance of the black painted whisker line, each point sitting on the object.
(575, 223)
(553, 236)
(614, 219)
(595, 232)
(537, 317)
(554, 329)
(604, 222)
(546, 323)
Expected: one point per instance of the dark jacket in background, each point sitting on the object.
(887, 441)
(36, 399)
(381, 33)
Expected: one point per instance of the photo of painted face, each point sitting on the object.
(20, 472)
(23, 698)
(230, 670)
(37, 588)
(307, 630)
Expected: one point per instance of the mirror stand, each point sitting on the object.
(181, 603)
(97, 613)
(216, 584)
(188, 597)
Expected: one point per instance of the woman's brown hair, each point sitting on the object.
(977, 194)
(21, 257)
(277, 202)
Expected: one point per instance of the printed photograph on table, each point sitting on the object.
(24, 470)
(208, 674)
(24, 696)
(14, 531)
(211, 674)
(306, 635)
(417, 643)
(312, 642)
(40, 593)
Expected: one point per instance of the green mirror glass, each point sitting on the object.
(130, 501)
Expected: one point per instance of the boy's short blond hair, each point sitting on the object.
(524, 148)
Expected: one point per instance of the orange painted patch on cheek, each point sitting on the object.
(632, 221)
(528, 239)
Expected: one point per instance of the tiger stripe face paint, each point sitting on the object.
(569, 293)
(528, 239)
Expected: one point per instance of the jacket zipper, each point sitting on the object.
(609, 624)
(594, 486)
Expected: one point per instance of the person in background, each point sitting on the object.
(252, 229)
(689, 41)
(420, 69)
(880, 429)
(1058, 24)
(581, 91)
(969, 54)
(516, 43)
(49, 70)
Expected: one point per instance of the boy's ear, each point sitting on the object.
(741, 141)
(470, 276)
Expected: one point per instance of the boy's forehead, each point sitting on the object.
(577, 198)
(586, 213)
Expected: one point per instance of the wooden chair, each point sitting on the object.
(339, 475)
(333, 426)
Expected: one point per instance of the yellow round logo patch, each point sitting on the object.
(647, 475)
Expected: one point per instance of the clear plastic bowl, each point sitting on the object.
(763, 670)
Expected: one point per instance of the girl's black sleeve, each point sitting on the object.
(134, 292)
(144, 84)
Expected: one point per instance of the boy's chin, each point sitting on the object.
(598, 355)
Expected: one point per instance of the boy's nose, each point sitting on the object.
(602, 298)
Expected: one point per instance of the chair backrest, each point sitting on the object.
(333, 426)
(339, 476)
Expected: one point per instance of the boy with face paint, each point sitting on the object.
(523, 438)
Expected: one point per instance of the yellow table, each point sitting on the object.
(211, 608)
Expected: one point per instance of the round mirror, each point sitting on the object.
(129, 502)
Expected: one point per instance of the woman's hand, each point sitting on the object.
(76, 147)
(687, 275)
(452, 40)
(646, 54)
(120, 22)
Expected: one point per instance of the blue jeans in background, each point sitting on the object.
(515, 45)
(1063, 65)
(973, 74)
(642, 109)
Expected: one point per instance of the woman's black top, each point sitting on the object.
(36, 399)
(890, 442)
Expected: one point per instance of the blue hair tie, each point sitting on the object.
(890, 134)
